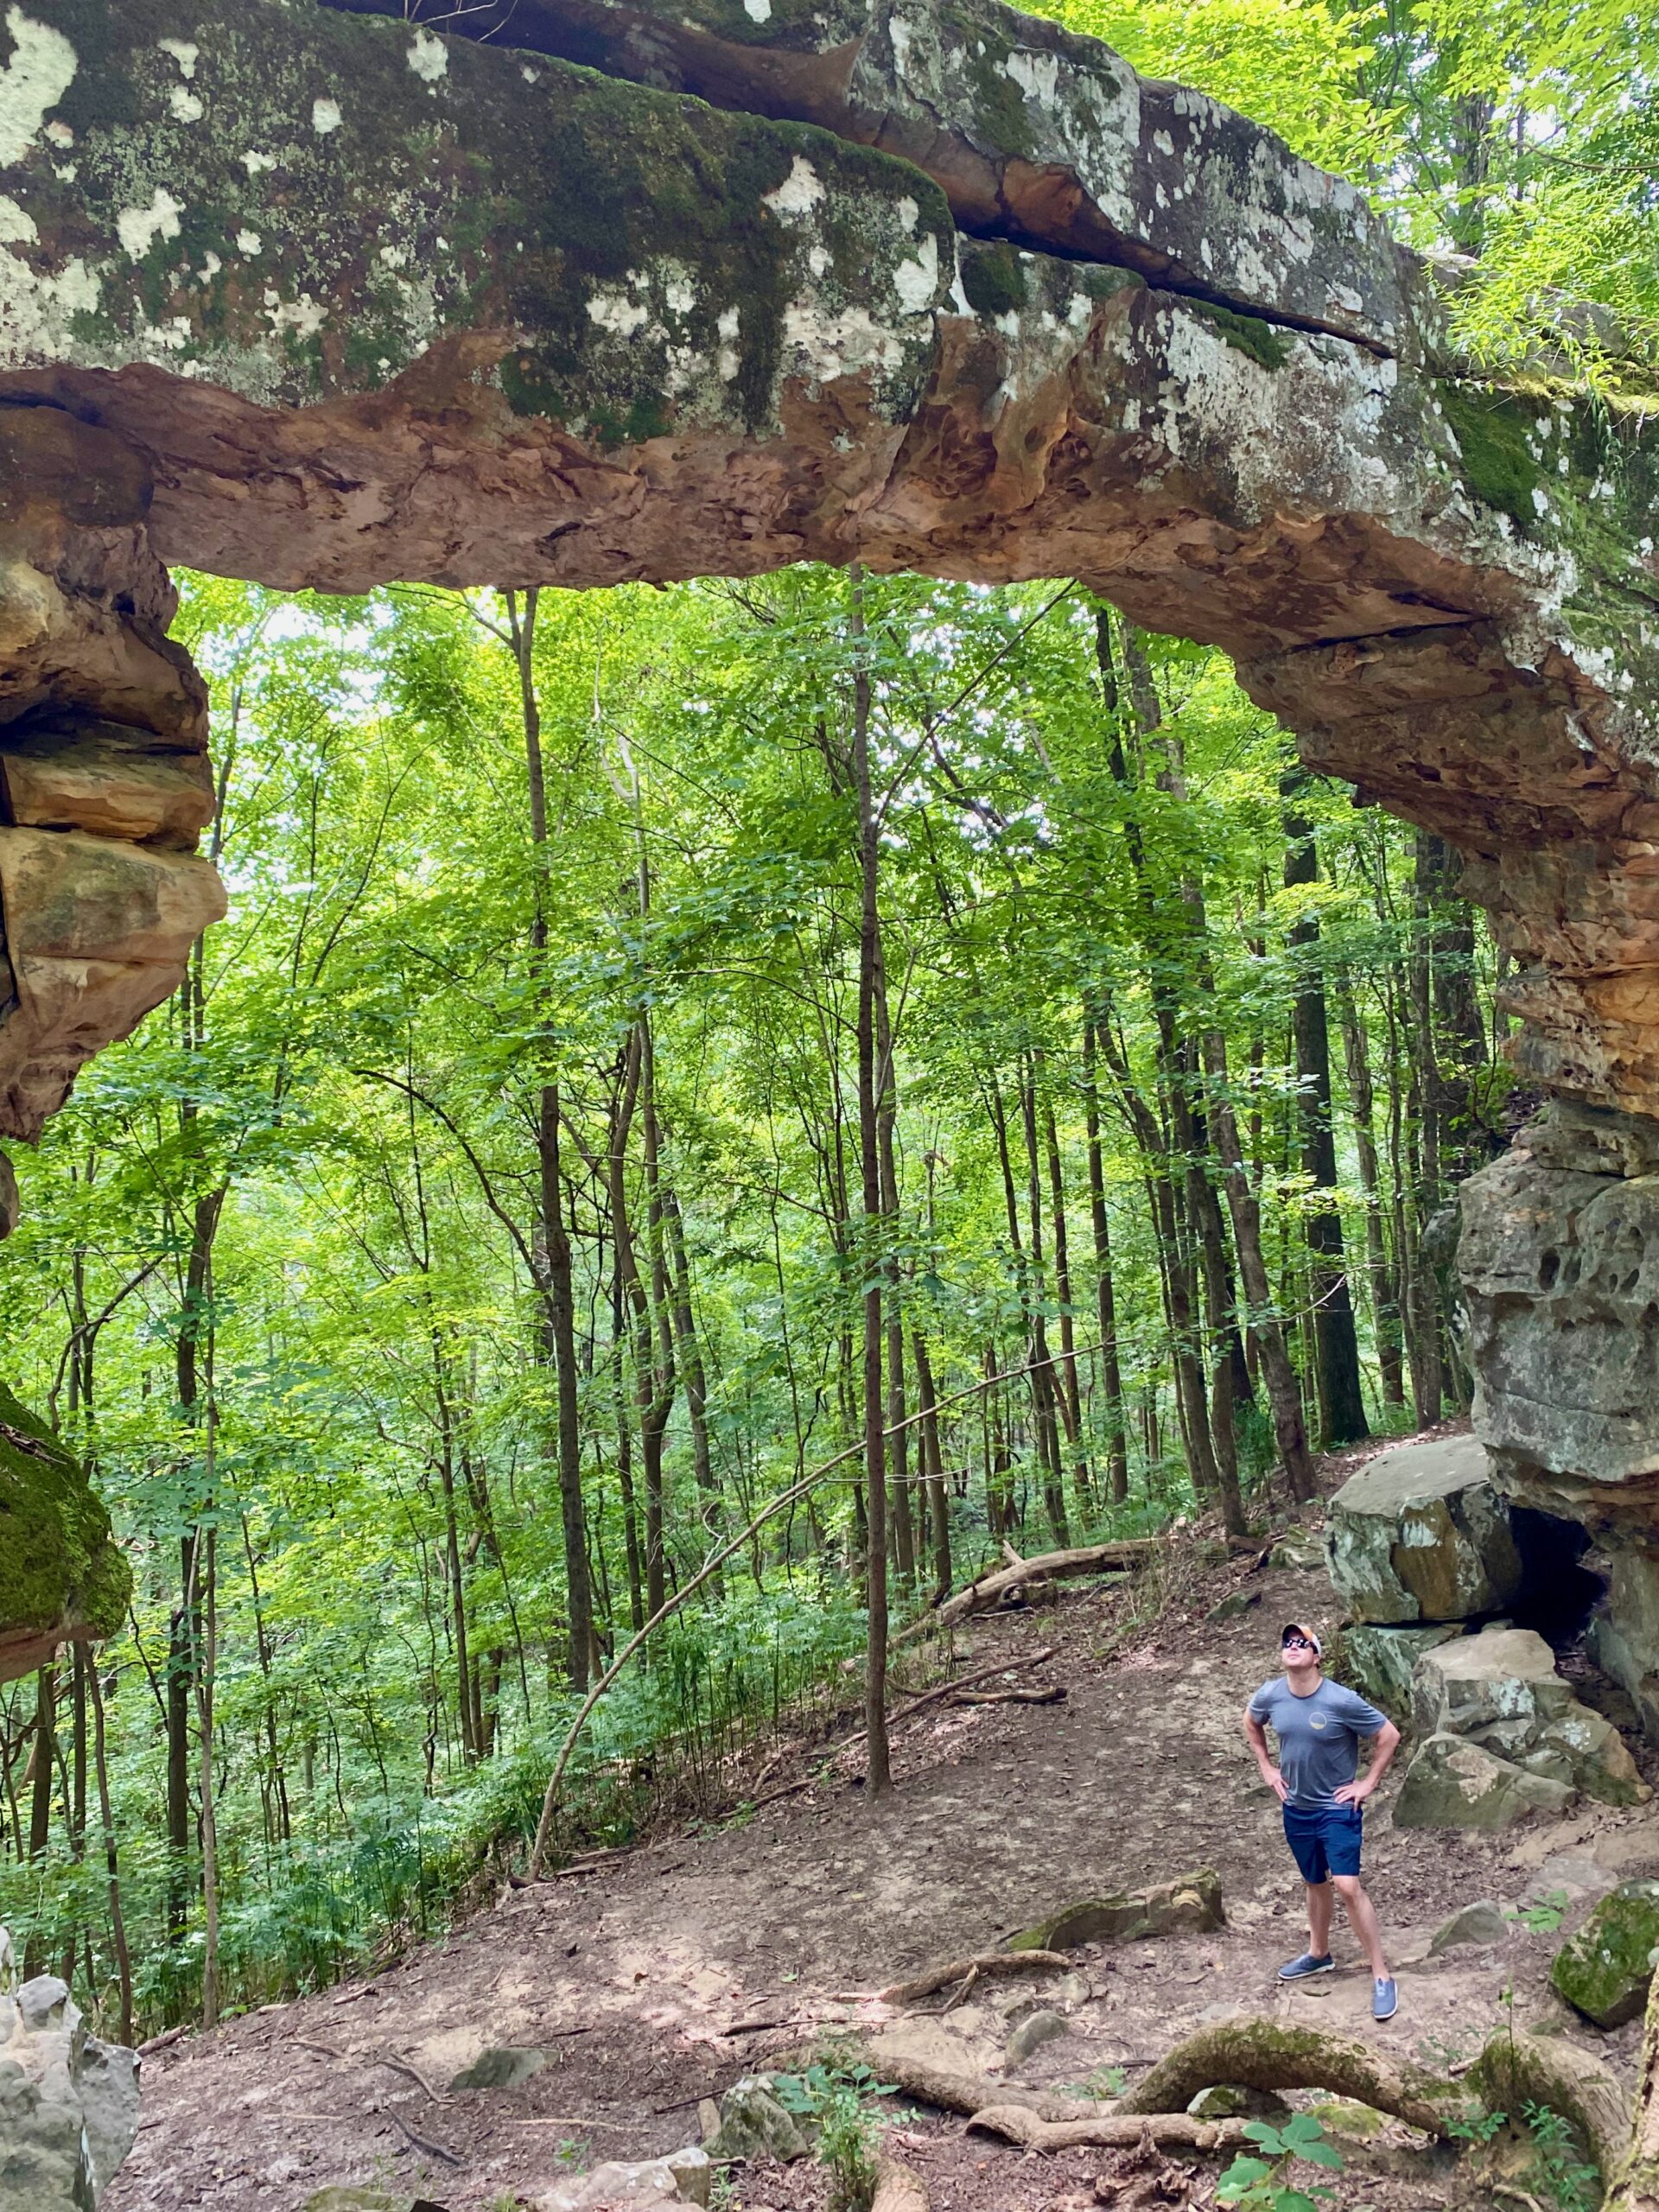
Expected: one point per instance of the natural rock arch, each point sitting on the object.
(322, 296)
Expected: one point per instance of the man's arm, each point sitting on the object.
(1257, 1735)
(1384, 1744)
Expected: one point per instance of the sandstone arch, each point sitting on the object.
(322, 295)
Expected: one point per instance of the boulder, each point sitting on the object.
(1303, 1554)
(1235, 1603)
(1482, 1923)
(1379, 1662)
(1500, 1689)
(1603, 1971)
(754, 2124)
(68, 2103)
(1032, 2032)
(1452, 1784)
(1189, 1904)
(1421, 1533)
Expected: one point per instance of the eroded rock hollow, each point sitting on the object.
(325, 295)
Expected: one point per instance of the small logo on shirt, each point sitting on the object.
(1316, 1720)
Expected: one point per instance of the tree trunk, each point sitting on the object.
(558, 1285)
(1335, 1339)
(1385, 1297)
(937, 1503)
(1071, 1393)
(869, 963)
(1110, 1370)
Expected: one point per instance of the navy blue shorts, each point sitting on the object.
(1324, 1839)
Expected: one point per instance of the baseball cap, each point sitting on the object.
(1298, 1627)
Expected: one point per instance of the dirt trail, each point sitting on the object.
(649, 1980)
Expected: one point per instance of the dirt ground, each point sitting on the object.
(662, 1978)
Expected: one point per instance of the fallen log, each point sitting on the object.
(1108, 2131)
(1042, 1693)
(985, 1964)
(941, 1691)
(1046, 1566)
(898, 2187)
(1253, 2053)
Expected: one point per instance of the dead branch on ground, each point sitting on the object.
(941, 1691)
(985, 1964)
(990, 1589)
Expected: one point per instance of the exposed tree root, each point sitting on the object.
(1253, 2053)
(1108, 2129)
(991, 1589)
(985, 1965)
(1515, 2070)
(968, 2094)
(898, 2187)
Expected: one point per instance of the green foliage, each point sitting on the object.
(340, 1123)
(1558, 2172)
(1262, 2184)
(1545, 1915)
(831, 2094)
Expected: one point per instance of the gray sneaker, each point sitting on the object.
(1385, 1999)
(1300, 1969)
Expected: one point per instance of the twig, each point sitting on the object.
(163, 2042)
(1520, 2195)
(403, 2066)
(432, 2150)
(961, 1991)
(326, 2049)
(572, 2119)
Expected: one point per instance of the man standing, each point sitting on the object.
(1319, 1724)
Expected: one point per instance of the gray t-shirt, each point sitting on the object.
(1319, 1736)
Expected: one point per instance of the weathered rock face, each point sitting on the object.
(60, 1573)
(68, 2103)
(1500, 1690)
(1380, 1662)
(1452, 1784)
(1560, 1270)
(1560, 1257)
(1421, 1533)
(104, 776)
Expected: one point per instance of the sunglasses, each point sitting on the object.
(1296, 1643)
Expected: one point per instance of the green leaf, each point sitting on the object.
(1321, 2154)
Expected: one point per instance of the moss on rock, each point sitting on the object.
(1605, 1970)
(60, 1571)
(1247, 333)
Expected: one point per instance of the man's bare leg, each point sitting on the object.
(1361, 1918)
(1320, 1901)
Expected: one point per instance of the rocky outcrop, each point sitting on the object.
(1560, 1257)
(1498, 1694)
(1452, 1784)
(1421, 1533)
(61, 1575)
(1381, 1662)
(68, 2103)
(103, 777)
